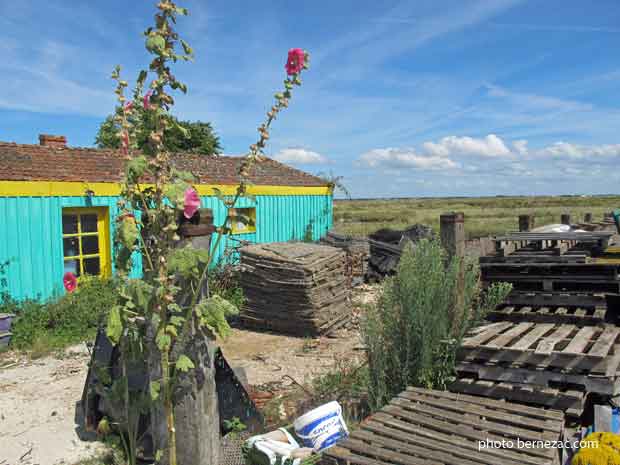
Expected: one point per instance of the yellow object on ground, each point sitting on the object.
(604, 449)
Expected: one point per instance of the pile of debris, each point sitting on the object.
(294, 288)
(386, 246)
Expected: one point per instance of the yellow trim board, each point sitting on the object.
(78, 189)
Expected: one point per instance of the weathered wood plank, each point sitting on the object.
(505, 406)
(489, 332)
(580, 340)
(507, 337)
(483, 411)
(539, 331)
(605, 342)
(410, 432)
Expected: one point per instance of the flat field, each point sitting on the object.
(483, 215)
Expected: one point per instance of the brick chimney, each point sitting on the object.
(47, 140)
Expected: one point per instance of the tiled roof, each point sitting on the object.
(20, 162)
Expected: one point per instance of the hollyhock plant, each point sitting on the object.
(295, 61)
(147, 99)
(70, 281)
(192, 203)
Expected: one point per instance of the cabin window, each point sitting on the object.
(243, 220)
(85, 239)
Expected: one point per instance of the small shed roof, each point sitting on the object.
(58, 162)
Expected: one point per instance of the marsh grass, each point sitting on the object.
(483, 215)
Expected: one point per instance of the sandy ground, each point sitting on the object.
(38, 423)
(38, 407)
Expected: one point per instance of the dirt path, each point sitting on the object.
(37, 410)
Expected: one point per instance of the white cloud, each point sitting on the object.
(520, 147)
(300, 156)
(404, 158)
(490, 146)
(574, 151)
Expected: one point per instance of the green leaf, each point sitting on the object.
(128, 231)
(177, 320)
(175, 193)
(155, 43)
(213, 312)
(141, 293)
(154, 389)
(186, 48)
(172, 330)
(184, 363)
(136, 168)
(114, 329)
(163, 341)
(142, 77)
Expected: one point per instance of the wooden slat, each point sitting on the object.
(531, 337)
(459, 429)
(505, 406)
(344, 456)
(482, 411)
(580, 340)
(507, 337)
(547, 345)
(434, 438)
(423, 452)
(609, 386)
(604, 342)
(380, 453)
(487, 334)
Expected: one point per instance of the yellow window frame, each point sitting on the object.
(103, 234)
(250, 214)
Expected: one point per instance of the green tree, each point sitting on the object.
(179, 136)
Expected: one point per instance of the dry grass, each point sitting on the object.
(483, 215)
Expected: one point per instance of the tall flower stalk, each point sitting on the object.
(158, 314)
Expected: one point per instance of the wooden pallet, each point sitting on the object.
(557, 299)
(546, 378)
(540, 271)
(424, 427)
(580, 316)
(589, 349)
(571, 401)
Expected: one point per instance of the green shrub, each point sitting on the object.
(70, 319)
(224, 281)
(421, 316)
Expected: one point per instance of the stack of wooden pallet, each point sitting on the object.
(295, 288)
(357, 253)
(553, 262)
(421, 426)
(548, 364)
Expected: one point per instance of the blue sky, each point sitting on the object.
(403, 98)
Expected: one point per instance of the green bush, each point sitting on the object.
(70, 319)
(224, 281)
(418, 323)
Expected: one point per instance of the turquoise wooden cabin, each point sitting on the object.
(58, 205)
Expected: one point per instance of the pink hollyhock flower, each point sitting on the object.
(295, 61)
(128, 106)
(192, 203)
(70, 281)
(147, 99)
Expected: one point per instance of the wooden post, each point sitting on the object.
(526, 222)
(452, 232)
(587, 217)
(196, 410)
(565, 218)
